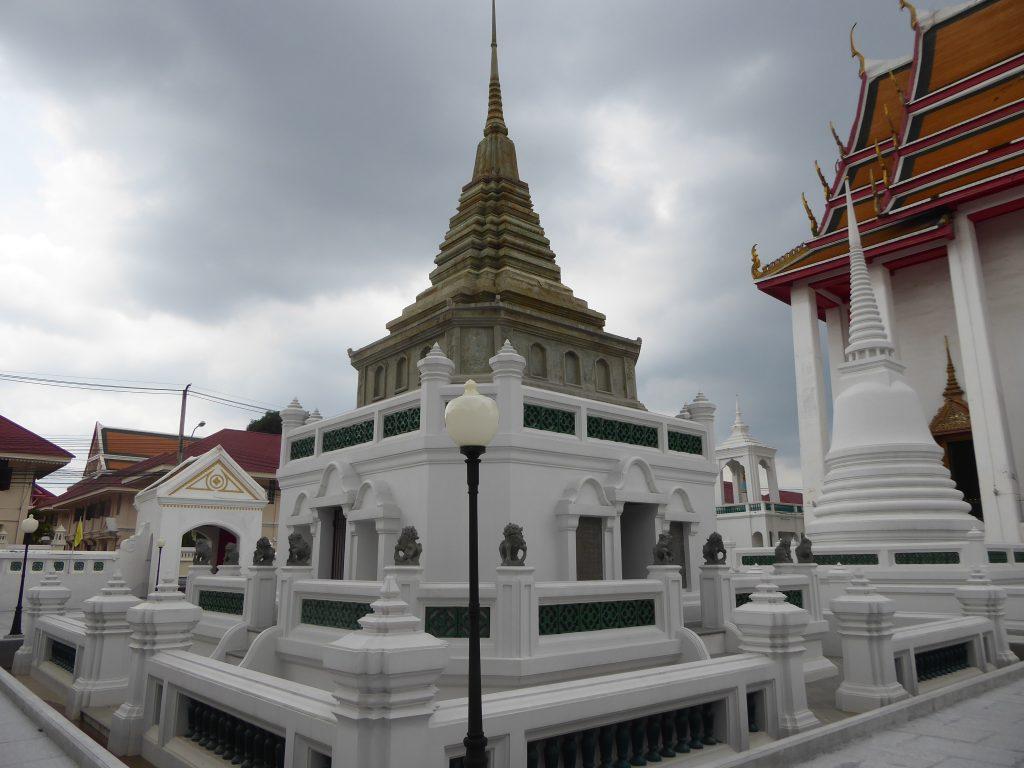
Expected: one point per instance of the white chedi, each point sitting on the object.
(884, 477)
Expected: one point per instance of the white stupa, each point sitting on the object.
(884, 477)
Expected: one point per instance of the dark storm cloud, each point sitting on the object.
(288, 149)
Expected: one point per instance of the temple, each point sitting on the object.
(495, 279)
(935, 164)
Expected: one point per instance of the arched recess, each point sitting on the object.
(586, 520)
(378, 381)
(538, 361)
(571, 364)
(372, 528)
(634, 491)
(401, 374)
(681, 520)
(602, 376)
(757, 540)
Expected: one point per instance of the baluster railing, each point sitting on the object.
(232, 739)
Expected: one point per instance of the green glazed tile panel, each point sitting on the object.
(97, 565)
(997, 556)
(339, 614)
(346, 437)
(79, 565)
(562, 618)
(15, 566)
(847, 558)
(400, 422)
(302, 448)
(786, 508)
(549, 419)
(222, 602)
(58, 565)
(758, 560)
(730, 508)
(452, 621)
(927, 558)
(793, 597)
(622, 432)
(37, 565)
(684, 442)
(1018, 557)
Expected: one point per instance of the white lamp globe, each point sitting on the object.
(30, 524)
(160, 543)
(471, 418)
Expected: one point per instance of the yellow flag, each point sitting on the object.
(77, 541)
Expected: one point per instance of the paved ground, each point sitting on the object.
(23, 744)
(984, 731)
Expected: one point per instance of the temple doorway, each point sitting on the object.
(638, 535)
(590, 549)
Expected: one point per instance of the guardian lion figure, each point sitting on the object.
(230, 554)
(803, 550)
(714, 550)
(513, 547)
(299, 551)
(782, 551)
(407, 548)
(265, 553)
(201, 556)
(663, 549)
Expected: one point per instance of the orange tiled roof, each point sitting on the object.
(944, 127)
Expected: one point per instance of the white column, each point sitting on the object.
(810, 394)
(754, 489)
(717, 599)
(773, 482)
(881, 282)
(435, 372)
(507, 370)
(836, 322)
(1000, 490)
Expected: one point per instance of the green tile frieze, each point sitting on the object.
(562, 618)
(549, 419)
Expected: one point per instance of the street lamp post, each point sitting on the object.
(197, 426)
(472, 420)
(29, 525)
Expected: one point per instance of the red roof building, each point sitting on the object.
(104, 502)
(24, 458)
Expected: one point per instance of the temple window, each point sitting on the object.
(378, 382)
(538, 361)
(401, 374)
(602, 376)
(572, 368)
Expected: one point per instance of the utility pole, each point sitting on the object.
(181, 424)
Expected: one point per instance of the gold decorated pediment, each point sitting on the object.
(218, 478)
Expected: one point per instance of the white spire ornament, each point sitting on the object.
(884, 478)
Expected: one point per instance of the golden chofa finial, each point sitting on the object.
(855, 54)
(896, 85)
(905, 6)
(755, 262)
(821, 178)
(810, 215)
(835, 137)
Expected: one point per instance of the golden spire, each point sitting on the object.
(755, 262)
(855, 54)
(821, 178)
(495, 118)
(835, 137)
(906, 6)
(896, 85)
(810, 215)
(952, 385)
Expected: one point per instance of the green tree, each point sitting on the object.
(270, 422)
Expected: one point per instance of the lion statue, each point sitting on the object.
(201, 556)
(299, 551)
(782, 551)
(265, 553)
(230, 554)
(407, 548)
(803, 550)
(663, 549)
(714, 550)
(513, 547)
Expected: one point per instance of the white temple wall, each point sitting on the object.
(923, 308)
(1001, 242)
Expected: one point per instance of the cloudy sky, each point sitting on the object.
(232, 193)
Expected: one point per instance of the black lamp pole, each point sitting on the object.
(159, 560)
(475, 741)
(16, 624)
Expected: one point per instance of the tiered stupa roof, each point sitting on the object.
(932, 131)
